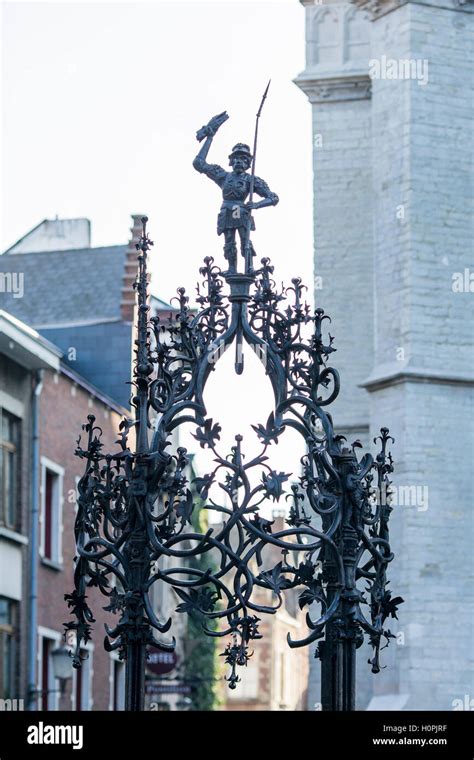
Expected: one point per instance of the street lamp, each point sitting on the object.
(62, 670)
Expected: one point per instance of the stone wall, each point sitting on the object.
(393, 234)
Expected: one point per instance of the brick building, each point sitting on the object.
(99, 684)
(39, 478)
(23, 354)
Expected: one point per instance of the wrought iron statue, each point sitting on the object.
(135, 504)
(237, 185)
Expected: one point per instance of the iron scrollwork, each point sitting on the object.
(135, 505)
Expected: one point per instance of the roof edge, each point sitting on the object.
(93, 390)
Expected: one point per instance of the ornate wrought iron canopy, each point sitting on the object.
(135, 504)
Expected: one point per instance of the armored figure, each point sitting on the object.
(237, 185)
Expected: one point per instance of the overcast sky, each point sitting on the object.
(100, 105)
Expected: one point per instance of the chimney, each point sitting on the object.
(128, 298)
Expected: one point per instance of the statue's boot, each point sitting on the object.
(253, 253)
(230, 253)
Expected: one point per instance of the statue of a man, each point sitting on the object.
(235, 213)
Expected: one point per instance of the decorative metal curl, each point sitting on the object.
(135, 505)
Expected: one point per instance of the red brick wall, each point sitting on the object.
(63, 410)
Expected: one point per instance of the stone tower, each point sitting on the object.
(390, 86)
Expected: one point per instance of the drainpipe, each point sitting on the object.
(33, 544)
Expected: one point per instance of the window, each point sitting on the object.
(8, 649)
(117, 684)
(51, 511)
(10, 427)
(82, 683)
(48, 697)
(47, 678)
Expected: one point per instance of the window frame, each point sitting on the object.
(54, 639)
(11, 630)
(116, 692)
(15, 448)
(57, 527)
(86, 671)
